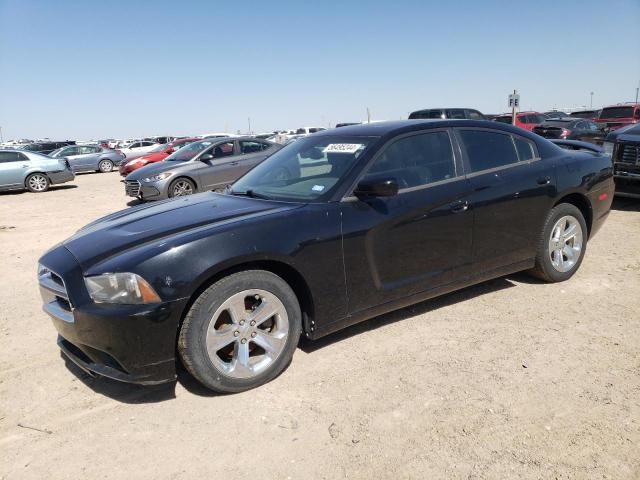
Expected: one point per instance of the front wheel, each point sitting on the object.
(37, 183)
(181, 187)
(241, 332)
(105, 166)
(562, 245)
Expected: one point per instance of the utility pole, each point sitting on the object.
(249, 126)
(637, 89)
(591, 103)
(368, 115)
(2, 139)
(513, 108)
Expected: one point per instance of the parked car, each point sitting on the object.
(442, 113)
(217, 163)
(44, 148)
(159, 153)
(138, 149)
(160, 139)
(89, 158)
(623, 145)
(618, 116)
(336, 228)
(571, 129)
(588, 114)
(309, 130)
(20, 170)
(524, 120)
(555, 114)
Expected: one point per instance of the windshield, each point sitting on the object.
(188, 151)
(585, 114)
(56, 153)
(304, 171)
(617, 112)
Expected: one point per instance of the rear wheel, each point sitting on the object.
(105, 166)
(562, 245)
(241, 332)
(37, 183)
(181, 187)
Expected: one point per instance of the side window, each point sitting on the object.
(147, 144)
(223, 150)
(487, 150)
(581, 125)
(523, 118)
(251, 147)
(525, 149)
(474, 115)
(10, 157)
(593, 127)
(455, 113)
(434, 114)
(417, 160)
(135, 145)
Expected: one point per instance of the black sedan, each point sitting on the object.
(331, 230)
(571, 129)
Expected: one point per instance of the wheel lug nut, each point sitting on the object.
(236, 333)
(253, 334)
(253, 323)
(243, 341)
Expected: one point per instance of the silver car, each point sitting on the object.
(89, 158)
(209, 164)
(32, 171)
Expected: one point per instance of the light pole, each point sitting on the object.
(591, 104)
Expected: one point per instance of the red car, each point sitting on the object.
(526, 120)
(156, 155)
(616, 116)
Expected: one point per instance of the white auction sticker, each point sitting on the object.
(317, 188)
(342, 148)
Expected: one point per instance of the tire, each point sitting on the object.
(181, 187)
(231, 352)
(105, 166)
(562, 244)
(37, 183)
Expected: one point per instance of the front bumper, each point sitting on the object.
(129, 343)
(146, 191)
(61, 176)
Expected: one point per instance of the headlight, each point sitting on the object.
(123, 288)
(608, 149)
(158, 177)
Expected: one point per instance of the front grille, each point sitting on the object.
(54, 295)
(132, 188)
(630, 153)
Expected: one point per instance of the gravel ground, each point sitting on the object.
(508, 379)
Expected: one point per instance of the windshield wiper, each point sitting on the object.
(249, 193)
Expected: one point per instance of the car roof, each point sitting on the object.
(390, 128)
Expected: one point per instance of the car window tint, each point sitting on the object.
(417, 160)
(223, 150)
(524, 148)
(474, 115)
(486, 150)
(10, 157)
(455, 113)
(251, 147)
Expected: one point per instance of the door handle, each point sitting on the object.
(459, 207)
(544, 181)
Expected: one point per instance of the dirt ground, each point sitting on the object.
(508, 379)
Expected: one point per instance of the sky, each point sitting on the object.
(122, 69)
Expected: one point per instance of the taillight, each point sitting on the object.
(565, 133)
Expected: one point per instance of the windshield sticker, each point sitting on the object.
(317, 188)
(343, 147)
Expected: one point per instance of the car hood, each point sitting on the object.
(140, 225)
(159, 167)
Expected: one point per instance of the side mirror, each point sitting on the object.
(379, 187)
(206, 157)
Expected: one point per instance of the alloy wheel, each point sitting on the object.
(38, 182)
(247, 333)
(105, 166)
(182, 188)
(565, 243)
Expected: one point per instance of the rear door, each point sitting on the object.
(250, 153)
(13, 166)
(87, 157)
(512, 192)
(417, 240)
